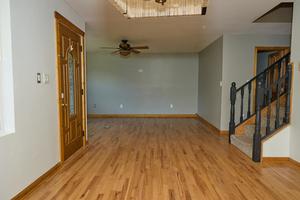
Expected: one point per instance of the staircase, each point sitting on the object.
(260, 107)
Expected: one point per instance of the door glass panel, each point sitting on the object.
(71, 67)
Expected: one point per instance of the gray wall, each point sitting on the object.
(144, 84)
(210, 75)
(295, 135)
(238, 63)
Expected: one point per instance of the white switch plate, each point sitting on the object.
(171, 106)
(45, 78)
(121, 106)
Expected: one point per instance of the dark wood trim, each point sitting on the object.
(142, 116)
(37, 182)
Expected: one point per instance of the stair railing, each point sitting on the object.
(269, 85)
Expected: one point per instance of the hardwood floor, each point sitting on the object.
(165, 159)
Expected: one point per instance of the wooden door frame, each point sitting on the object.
(265, 48)
(62, 20)
(256, 50)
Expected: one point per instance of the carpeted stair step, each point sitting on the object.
(244, 142)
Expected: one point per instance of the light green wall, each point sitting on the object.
(165, 79)
(209, 89)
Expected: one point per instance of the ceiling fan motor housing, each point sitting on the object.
(124, 45)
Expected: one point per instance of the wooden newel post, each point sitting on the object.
(288, 95)
(256, 153)
(232, 110)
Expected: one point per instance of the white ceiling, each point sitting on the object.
(106, 26)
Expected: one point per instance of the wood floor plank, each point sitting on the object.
(165, 159)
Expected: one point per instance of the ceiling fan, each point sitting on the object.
(125, 49)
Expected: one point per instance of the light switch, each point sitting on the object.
(39, 78)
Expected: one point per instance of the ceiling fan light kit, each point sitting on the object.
(162, 2)
(160, 8)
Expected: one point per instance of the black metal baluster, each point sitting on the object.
(265, 83)
(257, 136)
(269, 94)
(277, 122)
(249, 99)
(242, 105)
(287, 76)
(280, 74)
(232, 110)
(288, 94)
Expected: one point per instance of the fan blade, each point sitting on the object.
(109, 48)
(116, 52)
(135, 51)
(140, 47)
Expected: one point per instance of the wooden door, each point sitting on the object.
(69, 50)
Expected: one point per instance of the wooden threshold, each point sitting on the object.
(142, 116)
(214, 129)
(37, 182)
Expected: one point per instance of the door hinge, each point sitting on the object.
(80, 48)
(82, 92)
(83, 133)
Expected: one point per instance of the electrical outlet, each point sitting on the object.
(121, 106)
(95, 106)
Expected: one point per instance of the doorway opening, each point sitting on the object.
(264, 57)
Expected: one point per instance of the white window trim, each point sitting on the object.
(7, 115)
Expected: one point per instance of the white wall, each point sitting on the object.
(166, 79)
(238, 63)
(7, 121)
(210, 76)
(34, 147)
(295, 125)
(278, 145)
